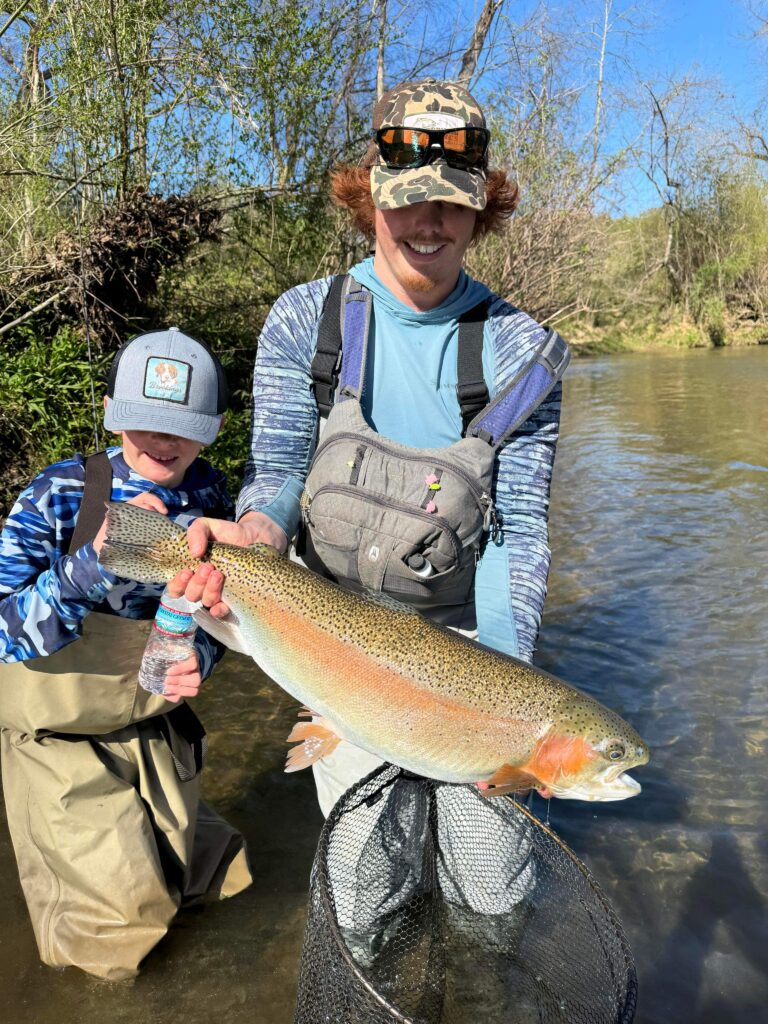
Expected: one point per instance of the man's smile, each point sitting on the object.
(425, 248)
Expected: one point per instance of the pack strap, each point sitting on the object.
(97, 491)
(358, 303)
(524, 393)
(340, 357)
(327, 359)
(471, 389)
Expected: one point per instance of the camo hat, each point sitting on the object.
(427, 104)
(166, 381)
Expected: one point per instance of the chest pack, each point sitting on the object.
(383, 516)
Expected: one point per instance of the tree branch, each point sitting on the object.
(31, 312)
(472, 53)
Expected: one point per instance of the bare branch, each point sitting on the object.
(472, 53)
(31, 312)
(16, 14)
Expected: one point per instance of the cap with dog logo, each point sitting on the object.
(166, 381)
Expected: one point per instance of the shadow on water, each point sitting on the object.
(657, 607)
(705, 907)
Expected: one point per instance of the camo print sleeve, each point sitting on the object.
(46, 594)
(284, 412)
(524, 475)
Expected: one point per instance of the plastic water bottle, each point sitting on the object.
(171, 639)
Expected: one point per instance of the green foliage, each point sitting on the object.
(46, 407)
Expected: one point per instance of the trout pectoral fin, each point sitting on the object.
(314, 742)
(509, 780)
(226, 631)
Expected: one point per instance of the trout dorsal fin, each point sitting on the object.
(264, 549)
(391, 603)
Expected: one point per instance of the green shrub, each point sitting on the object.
(47, 395)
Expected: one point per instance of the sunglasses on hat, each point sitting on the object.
(462, 148)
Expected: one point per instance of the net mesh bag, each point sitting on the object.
(431, 904)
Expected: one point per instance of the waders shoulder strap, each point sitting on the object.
(96, 493)
(471, 389)
(524, 393)
(327, 359)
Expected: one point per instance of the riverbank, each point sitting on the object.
(587, 340)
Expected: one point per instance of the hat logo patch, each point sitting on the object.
(433, 121)
(167, 379)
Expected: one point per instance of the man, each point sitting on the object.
(423, 193)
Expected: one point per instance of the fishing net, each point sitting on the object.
(431, 904)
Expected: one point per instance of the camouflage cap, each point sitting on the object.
(427, 104)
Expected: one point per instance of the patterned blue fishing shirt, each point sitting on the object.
(46, 594)
(511, 579)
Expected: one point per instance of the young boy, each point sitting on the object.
(100, 777)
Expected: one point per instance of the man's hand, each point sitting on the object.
(206, 583)
(183, 679)
(145, 500)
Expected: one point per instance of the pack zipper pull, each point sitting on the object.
(490, 520)
(304, 503)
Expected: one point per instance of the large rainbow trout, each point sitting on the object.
(377, 673)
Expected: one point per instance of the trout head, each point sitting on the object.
(587, 752)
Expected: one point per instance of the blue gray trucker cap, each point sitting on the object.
(168, 382)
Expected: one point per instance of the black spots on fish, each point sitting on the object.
(428, 655)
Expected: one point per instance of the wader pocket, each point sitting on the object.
(89, 687)
(186, 739)
(387, 517)
(384, 544)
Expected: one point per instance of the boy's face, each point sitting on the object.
(161, 458)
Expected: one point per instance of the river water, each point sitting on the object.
(658, 606)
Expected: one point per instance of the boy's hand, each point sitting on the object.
(205, 585)
(145, 500)
(183, 679)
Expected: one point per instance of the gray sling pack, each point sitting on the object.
(386, 517)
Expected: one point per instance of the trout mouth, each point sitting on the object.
(608, 785)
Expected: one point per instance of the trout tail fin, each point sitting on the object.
(143, 545)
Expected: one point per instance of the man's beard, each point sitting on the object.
(413, 281)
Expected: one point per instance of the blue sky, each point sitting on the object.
(710, 38)
(709, 42)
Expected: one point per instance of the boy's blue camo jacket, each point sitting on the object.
(284, 428)
(46, 594)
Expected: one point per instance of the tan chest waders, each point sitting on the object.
(102, 792)
(388, 517)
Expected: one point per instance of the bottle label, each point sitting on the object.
(168, 620)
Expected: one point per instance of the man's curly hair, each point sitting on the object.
(351, 189)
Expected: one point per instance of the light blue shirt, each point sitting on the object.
(412, 354)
